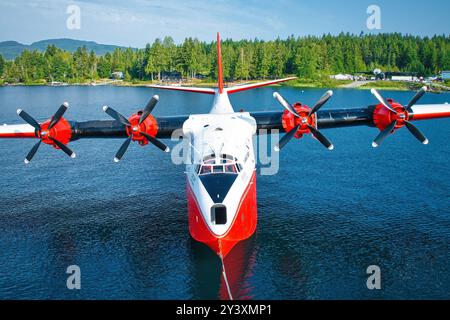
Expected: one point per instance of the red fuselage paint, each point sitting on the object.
(242, 228)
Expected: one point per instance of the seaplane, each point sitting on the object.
(221, 171)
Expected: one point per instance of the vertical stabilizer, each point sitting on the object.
(219, 65)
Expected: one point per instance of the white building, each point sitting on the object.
(342, 77)
(404, 78)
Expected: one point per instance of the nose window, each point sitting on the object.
(219, 214)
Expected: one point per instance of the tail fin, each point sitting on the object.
(219, 65)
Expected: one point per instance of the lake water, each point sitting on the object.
(323, 219)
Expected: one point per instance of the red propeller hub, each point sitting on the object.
(290, 121)
(383, 117)
(61, 131)
(149, 126)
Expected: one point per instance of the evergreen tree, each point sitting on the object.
(104, 66)
(169, 54)
(309, 57)
(306, 62)
(2, 65)
(242, 66)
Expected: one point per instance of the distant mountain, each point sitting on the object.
(11, 49)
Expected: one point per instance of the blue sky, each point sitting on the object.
(136, 22)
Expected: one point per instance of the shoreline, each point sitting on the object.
(384, 85)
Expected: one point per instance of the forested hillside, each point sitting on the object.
(306, 57)
(12, 49)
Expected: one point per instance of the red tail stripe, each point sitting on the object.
(219, 64)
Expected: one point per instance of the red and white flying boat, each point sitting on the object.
(221, 176)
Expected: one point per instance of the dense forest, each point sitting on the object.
(307, 57)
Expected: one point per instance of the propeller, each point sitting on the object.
(47, 134)
(397, 117)
(141, 127)
(304, 120)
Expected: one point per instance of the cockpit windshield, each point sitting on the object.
(224, 164)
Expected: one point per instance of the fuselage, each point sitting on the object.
(221, 176)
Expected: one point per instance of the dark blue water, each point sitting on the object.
(323, 219)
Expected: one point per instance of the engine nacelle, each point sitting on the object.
(148, 126)
(383, 117)
(61, 131)
(290, 121)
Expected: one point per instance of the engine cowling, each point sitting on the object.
(141, 127)
(61, 131)
(298, 120)
(383, 117)
(56, 132)
(290, 121)
(389, 116)
(148, 126)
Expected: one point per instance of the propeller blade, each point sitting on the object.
(416, 132)
(32, 152)
(322, 139)
(324, 99)
(28, 119)
(122, 150)
(285, 104)
(156, 142)
(64, 148)
(117, 116)
(149, 108)
(384, 134)
(285, 140)
(417, 97)
(382, 101)
(58, 115)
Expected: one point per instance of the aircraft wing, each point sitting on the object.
(388, 116)
(95, 129)
(339, 118)
(58, 132)
(296, 121)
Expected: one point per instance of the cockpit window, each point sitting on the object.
(218, 169)
(219, 165)
(230, 168)
(205, 170)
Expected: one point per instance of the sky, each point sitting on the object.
(137, 22)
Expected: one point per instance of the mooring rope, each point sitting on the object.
(224, 272)
(226, 279)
